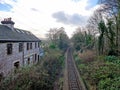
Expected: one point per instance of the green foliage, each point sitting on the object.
(113, 23)
(111, 58)
(104, 72)
(109, 84)
(52, 46)
(61, 80)
(82, 40)
(29, 78)
(102, 29)
(58, 38)
(101, 74)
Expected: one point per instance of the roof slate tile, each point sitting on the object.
(7, 34)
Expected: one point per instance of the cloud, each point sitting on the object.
(61, 17)
(74, 19)
(38, 16)
(34, 9)
(75, 0)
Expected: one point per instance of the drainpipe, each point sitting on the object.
(23, 54)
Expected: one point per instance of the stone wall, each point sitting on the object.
(7, 61)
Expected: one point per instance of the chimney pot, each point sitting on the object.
(8, 22)
(9, 19)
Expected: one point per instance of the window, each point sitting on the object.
(20, 47)
(9, 49)
(35, 57)
(38, 44)
(28, 61)
(38, 58)
(30, 45)
(35, 45)
(1, 75)
(16, 65)
(27, 46)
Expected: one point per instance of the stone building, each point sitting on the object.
(17, 47)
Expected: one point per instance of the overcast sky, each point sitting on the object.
(38, 16)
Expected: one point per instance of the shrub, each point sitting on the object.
(52, 46)
(87, 56)
(100, 74)
(109, 84)
(111, 58)
(37, 77)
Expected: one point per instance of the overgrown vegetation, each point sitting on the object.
(38, 77)
(97, 47)
(48, 73)
(102, 73)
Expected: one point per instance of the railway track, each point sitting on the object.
(73, 77)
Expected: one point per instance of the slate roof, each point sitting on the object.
(16, 35)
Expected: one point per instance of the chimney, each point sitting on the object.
(8, 22)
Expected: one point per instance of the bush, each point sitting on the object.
(109, 84)
(30, 78)
(100, 74)
(113, 59)
(88, 56)
(52, 46)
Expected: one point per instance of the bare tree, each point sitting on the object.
(58, 37)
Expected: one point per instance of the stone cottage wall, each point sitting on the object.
(30, 53)
(7, 61)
